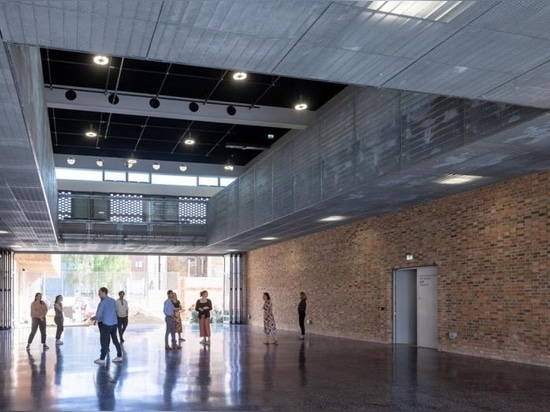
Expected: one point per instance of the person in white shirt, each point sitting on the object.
(122, 314)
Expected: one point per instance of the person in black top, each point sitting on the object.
(204, 306)
(58, 318)
(302, 314)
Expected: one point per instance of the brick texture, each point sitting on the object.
(492, 249)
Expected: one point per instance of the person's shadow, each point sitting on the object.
(203, 378)
(38, 379)
(58, 365)
(105, 384)
(172, 360)
(302, 365)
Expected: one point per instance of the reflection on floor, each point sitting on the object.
(238, 372)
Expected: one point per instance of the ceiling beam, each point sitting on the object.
(138, 105)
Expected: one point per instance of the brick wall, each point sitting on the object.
(492, 249)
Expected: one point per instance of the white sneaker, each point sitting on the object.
(202, 341)
(100, 361)
(117, 359)
(58, 342)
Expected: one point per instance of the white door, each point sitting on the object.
(426, 292)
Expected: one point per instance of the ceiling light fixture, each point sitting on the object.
(156, 166)
(231, 111)
(228, 167)
(16, 246)
(270, 136)
(4, 232)
(194, 107)
(113, 99)
(130, 163)
(270, 238)
(333, 219)
(243, 147)
(301, 106)
(91, 134)
(189, 141)
(183, 167)
(452, 179)
(154, 103)
(101, 60)
(70, 95)
(71, 160)
(99, 162)
(240, 75)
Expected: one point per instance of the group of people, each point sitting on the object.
(110, 316)
(172, 317)
(270, 328)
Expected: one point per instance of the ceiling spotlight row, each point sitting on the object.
(129, 163)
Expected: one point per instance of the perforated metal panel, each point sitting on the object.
(192, 210)
(126, 208)
(64, 205)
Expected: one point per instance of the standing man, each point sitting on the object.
(122, 314)
(170, 324)
(107, 319)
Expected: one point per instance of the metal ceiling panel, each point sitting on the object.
(250, 34)
(527, 18)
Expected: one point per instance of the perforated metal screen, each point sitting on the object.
(192, 210)
(64, 205)
(126, 208)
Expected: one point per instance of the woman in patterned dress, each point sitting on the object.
(177, 316)
(270, 329)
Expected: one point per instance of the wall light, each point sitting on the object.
(409, 256)
(130, 163)
(333, 219)
(452, 179)
(99, 162)
(270, 238)
(183, 167)
(71, 160)
(228, 167)
(101, 60)
(231, 111)
(156, 166)
(154, 103)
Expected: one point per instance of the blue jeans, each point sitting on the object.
(170, 330)
(106, 334)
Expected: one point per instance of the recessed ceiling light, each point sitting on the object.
(189, 141)
(156, 166)
(333, 219)
(71, 160)
(239, 76)
(4, 232)
(301, 106)
(101, 60)
(270, 136)
(228, 167)
(99, 162)
(182, 168)
(452, 179)
(91, 134)
(270, 238)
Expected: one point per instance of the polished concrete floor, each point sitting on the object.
(239, 373)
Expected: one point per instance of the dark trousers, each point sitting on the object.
(301, 321)
(59, 322)
(36, 323)
(122, 325)
(106, 334)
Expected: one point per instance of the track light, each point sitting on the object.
(183, 167)
(71, 160)
(99, 162)
(70, 95)
(154, 103)
(113, 98)
(194, 107)
(231, 110)
(156, 166)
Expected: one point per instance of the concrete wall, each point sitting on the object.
(492, 248)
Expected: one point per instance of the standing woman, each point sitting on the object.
(39, 309)
(58, 318)
(177, 316)
(270, 329)
(302, 314)
(204, 306)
